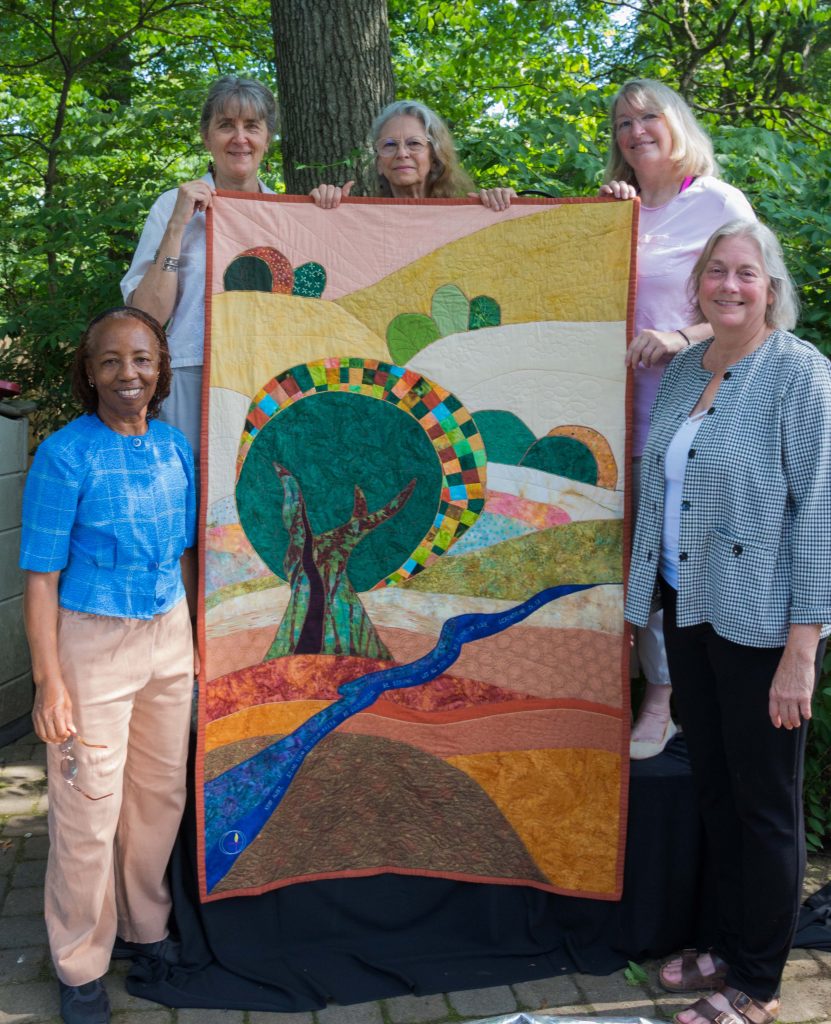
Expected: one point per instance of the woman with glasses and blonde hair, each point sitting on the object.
(416, 159)
(109, 522)
(661, 154)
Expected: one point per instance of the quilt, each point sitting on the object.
(413, 531)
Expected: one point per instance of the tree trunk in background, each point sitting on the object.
(334, 73)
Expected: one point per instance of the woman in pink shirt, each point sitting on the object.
(660, 154)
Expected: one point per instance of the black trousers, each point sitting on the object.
(748, 776)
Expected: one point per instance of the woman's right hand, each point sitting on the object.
(192, 197)
(328, 197)
(618, 189)
(52, 712)
(654, 348)
(157, 292)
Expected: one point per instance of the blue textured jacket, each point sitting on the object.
(114, 513)
(755, 529)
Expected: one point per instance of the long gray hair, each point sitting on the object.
(447, 179)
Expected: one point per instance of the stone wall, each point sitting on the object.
(15, 666)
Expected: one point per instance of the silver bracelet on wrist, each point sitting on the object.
(171, 263)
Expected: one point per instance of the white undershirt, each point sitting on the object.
(675, 466)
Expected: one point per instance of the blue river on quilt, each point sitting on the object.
(240, 801)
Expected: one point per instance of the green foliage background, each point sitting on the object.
(99, 110)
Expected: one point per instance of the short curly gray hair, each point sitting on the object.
(783, 312)
(231, 94)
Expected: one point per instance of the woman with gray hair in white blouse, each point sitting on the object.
(167, 275)
(733, 535)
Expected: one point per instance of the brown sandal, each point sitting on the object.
(744, 1009)
(692, 980)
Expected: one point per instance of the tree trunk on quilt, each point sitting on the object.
(334, 73)
(324, 613)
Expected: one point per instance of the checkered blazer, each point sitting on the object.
(755, 529)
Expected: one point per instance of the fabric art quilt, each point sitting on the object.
(413, 533)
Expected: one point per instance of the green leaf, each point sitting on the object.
(450, 308)
(408, 334)
(635, 974)
(309, 280)
(484, 312)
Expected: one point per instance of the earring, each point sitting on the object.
(91, 382)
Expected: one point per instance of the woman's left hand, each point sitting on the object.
(494, 198)
(328, 197)
(619, 190)
(789, 702)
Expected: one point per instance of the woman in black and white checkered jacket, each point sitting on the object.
(734, 535)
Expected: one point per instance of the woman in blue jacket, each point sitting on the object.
(109, 515)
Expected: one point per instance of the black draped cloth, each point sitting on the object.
(360, 939)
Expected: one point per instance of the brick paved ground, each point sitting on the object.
(28, 992)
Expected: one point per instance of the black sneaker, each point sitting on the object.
(85, 1004)
(165, 949)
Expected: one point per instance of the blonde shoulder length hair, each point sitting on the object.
(692, 150)
(447, 178)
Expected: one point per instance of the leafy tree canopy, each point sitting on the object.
(99, 112)
(99, 106)
(526, 87)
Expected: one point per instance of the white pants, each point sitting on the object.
(651, 655)
(183, 406)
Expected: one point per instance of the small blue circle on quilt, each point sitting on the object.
(233, 842)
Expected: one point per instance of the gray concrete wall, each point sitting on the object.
(15, 667)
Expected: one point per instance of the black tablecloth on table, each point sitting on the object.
(359, 939)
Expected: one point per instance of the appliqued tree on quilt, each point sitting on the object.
(413, 519)
(325, 614)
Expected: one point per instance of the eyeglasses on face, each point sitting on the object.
(626, 124)
(69, 766)
(415, 145)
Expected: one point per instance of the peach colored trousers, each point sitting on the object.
(130, 681)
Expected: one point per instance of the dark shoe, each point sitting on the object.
(165, 949)
(692, 980)
(85, 1004)
(743, 1009)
